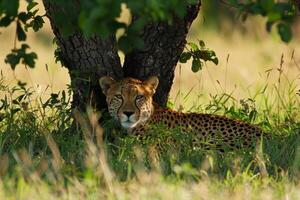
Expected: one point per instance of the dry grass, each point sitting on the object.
(248, 61)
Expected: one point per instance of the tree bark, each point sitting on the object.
(87, 59)
(164, 44)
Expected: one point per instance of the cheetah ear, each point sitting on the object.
(105, 83)
(152, 81)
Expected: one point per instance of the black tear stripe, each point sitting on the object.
(137, 107)
(121, 102)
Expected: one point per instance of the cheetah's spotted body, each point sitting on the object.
(130, 102)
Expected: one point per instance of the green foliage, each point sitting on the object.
(199, 53)
(281, 13)
(94, 17)
(100, 17)
(10, 7)
(24, 113)
(24, 20)
(20, 55)
(147, 11)
(285, 32)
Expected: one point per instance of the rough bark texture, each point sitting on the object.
(87, 59)
(164, 44)
(90, 58)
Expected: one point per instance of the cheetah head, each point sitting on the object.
(129, 100)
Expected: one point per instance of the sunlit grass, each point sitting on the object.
(44, 155)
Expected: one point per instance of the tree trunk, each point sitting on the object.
(87, 59)
(164, 44)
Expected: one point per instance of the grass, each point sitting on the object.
(43, 155)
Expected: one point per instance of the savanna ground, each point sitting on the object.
(257, 80)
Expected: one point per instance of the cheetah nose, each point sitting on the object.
(128, 114)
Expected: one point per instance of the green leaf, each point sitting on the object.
(285, 32)
(13, 60)
(23, 17)
(202, 43)
(269, 26)
(208, 55)
(24, 47)
(10, 6)
(185, 56)
(31, 5)
(15, 102)
(180, 11)
(29, 59)
(256, 9)
(32, 14)
(212, 53)
(196, 65)
(215, 60)
(266, 4)
(54, 95)
(137, 42)
(14, 111)
(22, 84)
(137, 25)
(273, 16)
(20, 32)
(37, 23)
(193, 46)
(124, 44)
(5, 21)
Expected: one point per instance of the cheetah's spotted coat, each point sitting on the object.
(130, 102)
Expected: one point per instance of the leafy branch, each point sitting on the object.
(200, 54)
(24, 20)
(279, 13)
(20, 55)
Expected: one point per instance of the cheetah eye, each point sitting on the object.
(118, 96)
(139, 96)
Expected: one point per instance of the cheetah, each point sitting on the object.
(130, 103)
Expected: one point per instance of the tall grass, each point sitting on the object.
(47, 154)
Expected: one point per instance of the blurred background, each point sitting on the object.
(250, 58)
